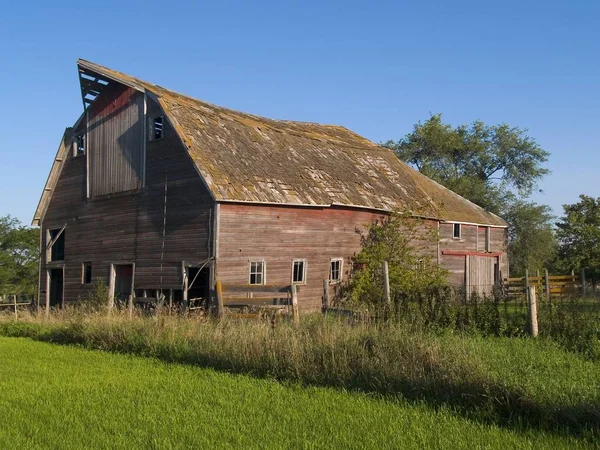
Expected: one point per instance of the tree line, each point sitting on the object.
(497, 167)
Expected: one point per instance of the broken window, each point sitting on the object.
(257, 272)
(456, 231)
(299, 271)
(86, 272)
(335, 270)
(157, 128)
(79, 145)
(56, 242)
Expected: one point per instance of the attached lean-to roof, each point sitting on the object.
(246, 158)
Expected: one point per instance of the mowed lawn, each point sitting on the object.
(65, 397)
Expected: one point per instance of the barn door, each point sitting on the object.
(480, 274)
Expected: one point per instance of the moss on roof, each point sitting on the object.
(243, 157)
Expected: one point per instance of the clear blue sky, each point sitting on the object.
(374, 67)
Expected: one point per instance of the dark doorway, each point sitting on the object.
(55, 292)
(198, 286)
(123, 283)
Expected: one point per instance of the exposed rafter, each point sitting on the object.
(92, 84)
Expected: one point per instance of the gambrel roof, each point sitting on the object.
(246, 158)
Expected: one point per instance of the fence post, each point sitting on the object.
(15, 303)
(295, 316)
(219, 289)
(532, 300)
(583, 282)
(386, 281)
(130, 305)
(326, 305)
(526, 281)
(547, 282)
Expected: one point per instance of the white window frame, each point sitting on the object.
(264, 271)
(341, 274)
(488, 239)
(454, 225)
(304, 265)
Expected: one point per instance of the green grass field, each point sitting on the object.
(66, 397)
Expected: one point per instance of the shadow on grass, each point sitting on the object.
(476, 396)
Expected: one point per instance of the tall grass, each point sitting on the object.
(390, 359)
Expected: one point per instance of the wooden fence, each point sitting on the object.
(548, 286)
(250, 300)
(15, 301)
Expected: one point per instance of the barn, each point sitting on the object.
(155, 192)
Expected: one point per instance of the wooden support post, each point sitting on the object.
(170, 301)
(130, 305)
(583, 282)
(386, 284)
(219, 289)
(15, 303)
(526, 281)
(295, 316)
(532, 300)
(326, 304)
(547, 281)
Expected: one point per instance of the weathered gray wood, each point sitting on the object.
(326, 304)
(295, 314)
(547, 283)
(220, 308)
(130, 305)
(533, 319)
(386, 283)
(243, 288)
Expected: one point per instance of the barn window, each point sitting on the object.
(488, 239)
(56, 244)
(299, 271)
(257, 272)
(457, 230)
(335, 270)
(157, 128)
(86, 272)
(79, 145)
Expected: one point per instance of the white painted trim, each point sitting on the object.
(341, 260)
(304, 271)
(264, 271)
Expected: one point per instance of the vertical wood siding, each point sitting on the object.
(115, 139)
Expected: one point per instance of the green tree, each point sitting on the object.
(578, 233)
(19, 251)
(401, 241)
(485, 164)
(532, 242)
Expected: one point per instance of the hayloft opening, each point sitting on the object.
(56, 239)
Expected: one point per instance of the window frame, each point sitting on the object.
(304, 270)
(84, 265)
(454, 225)
(76, 139)
(153, 128)
(263, 272)
(341, 270)
(49, 238)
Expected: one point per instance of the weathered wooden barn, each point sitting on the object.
(153, 191)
